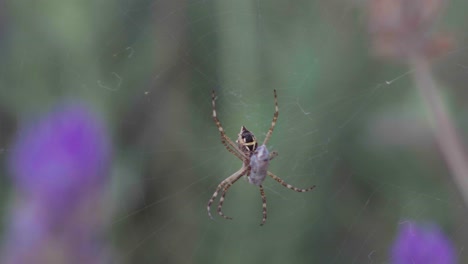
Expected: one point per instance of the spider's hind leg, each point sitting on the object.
(226, 188)
(224, 185)
(221, 201)
(213, 197)
(264, 210)
(289, 186)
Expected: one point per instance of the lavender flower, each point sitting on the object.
(422, 245)
(61, 156)
(59, 165)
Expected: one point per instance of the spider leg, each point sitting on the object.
(273, 123)
(227, 142)
(273, 154)
(228, 180)
(221, 200)
(262, 193)
(289, 186)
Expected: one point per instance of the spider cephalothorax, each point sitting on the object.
(246, 141)
(255, 161)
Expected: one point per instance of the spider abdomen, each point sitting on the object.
(259, 162)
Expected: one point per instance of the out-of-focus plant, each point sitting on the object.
(416, 244)
(404, 30)
(59, 167)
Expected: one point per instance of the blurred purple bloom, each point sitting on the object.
(422, 245)
(59, 166)
(61, 156)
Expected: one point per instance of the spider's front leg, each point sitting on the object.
(227, 142)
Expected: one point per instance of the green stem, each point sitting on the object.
(446, 134)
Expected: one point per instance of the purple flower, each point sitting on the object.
(422, 245)
(59, 167)
(61, 156)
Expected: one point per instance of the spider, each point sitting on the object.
(255, 161)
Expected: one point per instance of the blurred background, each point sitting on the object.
(349, 122)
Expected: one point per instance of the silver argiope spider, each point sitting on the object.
(255, 161)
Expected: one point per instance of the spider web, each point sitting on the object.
(350, 124)
(334, 130)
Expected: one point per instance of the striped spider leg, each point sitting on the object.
(224, 185)
(234, 149)
(227, 142)
(255, 162)
(259, 163)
